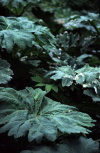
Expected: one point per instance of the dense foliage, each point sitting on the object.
(49, 76)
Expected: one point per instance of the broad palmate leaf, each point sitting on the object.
(30, 112)
(87, 76)
(5, 72)
(21, 32)
(70, 145)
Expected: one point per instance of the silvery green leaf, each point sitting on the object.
(33, 114)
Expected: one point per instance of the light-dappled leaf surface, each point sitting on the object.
(21, 32)
(65, 73)
(89, 22)
(30, 112)
(87, 76)
(79, 145)
(5, 72)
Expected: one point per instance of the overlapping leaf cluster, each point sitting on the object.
(88, 77)
(82, 34)
(54, 46)
(22, 33)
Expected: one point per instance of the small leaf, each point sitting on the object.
(55, 88)
(48, 87)
(37, 78)
(40, 85)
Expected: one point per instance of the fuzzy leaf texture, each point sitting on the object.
(5, 72)
(30, 111)
(22, 33)
(79, 145)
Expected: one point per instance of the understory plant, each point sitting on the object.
(50, 76)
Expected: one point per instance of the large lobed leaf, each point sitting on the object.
(87, 76)
(22, 33)
(65, 73)
(30, 112)
(5, 72)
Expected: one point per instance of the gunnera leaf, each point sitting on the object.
(70, 145)
(5, 72)
(30, 112)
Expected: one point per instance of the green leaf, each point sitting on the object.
(17, 6)
(22, 33)
(95, 96)
(5, 72)
(69, 145)
(40, 85)
(48, 87)
(83, 57)
(37, 78)
(87, 76)
(88, 22)
(55, 88)
(15, 33)
(38, 115)
(65, 73)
